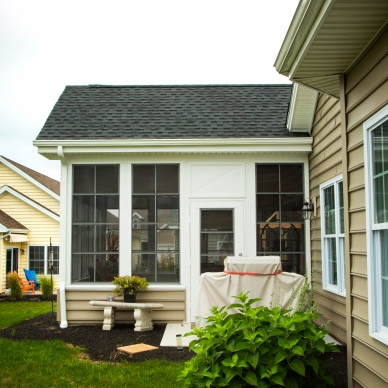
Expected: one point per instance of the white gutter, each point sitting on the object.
(49, 148)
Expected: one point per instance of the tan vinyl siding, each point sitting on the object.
(366, 92)
(10, 178)
(325, 163)
(80, 312)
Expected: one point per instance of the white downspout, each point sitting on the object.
(62, 296)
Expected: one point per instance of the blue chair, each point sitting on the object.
(31, 276)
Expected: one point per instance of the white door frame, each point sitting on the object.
(195, 250)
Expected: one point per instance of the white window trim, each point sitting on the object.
(376, 329)
(340, 288)
(46, 269)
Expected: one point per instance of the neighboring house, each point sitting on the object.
(29, 217)
(166, 181)
(340, 49)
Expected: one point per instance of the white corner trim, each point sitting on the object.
(29, 178)
(30, 202)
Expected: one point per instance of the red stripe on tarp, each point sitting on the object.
(253, 273)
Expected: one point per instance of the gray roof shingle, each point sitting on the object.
(169, 112)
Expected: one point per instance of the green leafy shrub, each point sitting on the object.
(46, 286)
(14, 285)
(258, 347)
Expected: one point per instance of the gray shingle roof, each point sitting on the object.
(169, 112)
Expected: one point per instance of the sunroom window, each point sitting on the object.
(95, 227)
(332, 229)
(279, 200)
(155, 222)
(376, 163)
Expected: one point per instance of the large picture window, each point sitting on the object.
(376, 163)
(332, 229)
(279, 200)
(38, 259)
(95, 229)
(155, 222)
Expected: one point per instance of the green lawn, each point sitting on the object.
(31, 364)
(12, 313)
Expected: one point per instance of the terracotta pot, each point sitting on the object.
(129, 298)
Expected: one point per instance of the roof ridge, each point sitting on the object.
(180, 85)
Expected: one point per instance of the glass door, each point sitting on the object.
(12, 262)
(216, 231)
(217, 238)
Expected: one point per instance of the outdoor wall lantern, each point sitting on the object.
(307, 210)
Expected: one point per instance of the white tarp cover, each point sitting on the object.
(18, 237)
(260, 275)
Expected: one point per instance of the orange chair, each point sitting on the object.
(25, 285)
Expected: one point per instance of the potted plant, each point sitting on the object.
(129, 286)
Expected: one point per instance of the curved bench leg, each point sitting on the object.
(143, 320)
(109, 318)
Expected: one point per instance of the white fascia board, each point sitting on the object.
(296, 34)
(20, 231)
(308, 18)
(3, 229)
(302, 107)
(28, 201)
(312, 32)
(29, 178)
(176, 146)
(291, 108)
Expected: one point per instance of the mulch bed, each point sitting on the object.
(101, 345)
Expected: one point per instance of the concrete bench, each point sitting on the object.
(142, 313)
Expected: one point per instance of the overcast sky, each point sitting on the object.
(48, 44)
